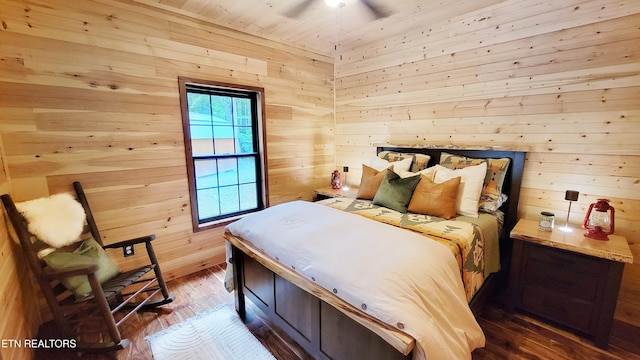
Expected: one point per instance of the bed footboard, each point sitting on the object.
(321, 323)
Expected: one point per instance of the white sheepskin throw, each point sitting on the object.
(57, 220)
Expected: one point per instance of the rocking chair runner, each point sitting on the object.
(109, 304)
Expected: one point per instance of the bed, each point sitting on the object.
(448, 267)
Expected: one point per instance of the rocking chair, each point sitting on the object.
(87, 304)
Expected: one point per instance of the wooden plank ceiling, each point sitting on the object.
(321, 28)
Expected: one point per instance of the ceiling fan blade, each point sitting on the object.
(299, 9)
(377, 11)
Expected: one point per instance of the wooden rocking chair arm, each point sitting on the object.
(142, 239)
(75, 271)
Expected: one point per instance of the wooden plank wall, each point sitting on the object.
(558, 79)
(20, 308)
(89, 92)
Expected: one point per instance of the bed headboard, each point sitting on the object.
(512, 182)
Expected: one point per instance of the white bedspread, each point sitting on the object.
(394, 275)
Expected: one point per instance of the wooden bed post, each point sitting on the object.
(237, 262)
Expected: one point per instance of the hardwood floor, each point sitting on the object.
(509, 336)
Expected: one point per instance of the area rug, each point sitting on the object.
(216, 334)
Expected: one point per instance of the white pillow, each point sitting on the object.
(398, 166)
(428, 172)
(471, 182)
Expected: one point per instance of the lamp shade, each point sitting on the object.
(571, 195)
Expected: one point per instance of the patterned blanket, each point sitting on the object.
(463, 236)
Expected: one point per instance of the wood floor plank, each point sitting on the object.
(509, 336)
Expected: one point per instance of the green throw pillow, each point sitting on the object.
(88, 253)
(395, 192)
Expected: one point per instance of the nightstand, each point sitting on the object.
(329, 192)
(567, 278)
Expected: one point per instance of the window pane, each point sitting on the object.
(229, 199)
(201, 132)
(222, 110)
(244, 140)
(224, 142)
(242, 113)
(200, 147)
(206, 174)
(201, 140)
(248, 196)
(208, 203)
(228, 171)
(199, 109)
(246, 170)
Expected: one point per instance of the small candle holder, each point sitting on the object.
(546, 221)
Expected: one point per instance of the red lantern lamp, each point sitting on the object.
(598, 223)
(336, 181)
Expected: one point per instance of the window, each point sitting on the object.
(222, 126)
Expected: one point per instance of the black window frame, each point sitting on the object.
(256, 95)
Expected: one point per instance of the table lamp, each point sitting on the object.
(345, 185)
(570, 195)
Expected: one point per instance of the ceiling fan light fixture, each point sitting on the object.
(336, 3)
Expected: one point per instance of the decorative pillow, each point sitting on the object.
(491, 206)
(88, 253)
(458, 162)
(419, 161)
(428, 172)
(472, 178)
(434, 199)
(382, 164)
(491, 198)
(370, 182)
(56, 220)
(395, 192)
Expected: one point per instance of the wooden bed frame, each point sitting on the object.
(328, 327)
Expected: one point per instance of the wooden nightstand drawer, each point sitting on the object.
(576, 278)
(557, 307)
(565, 283)
(563, 260)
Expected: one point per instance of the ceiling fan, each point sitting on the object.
(377, 11)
